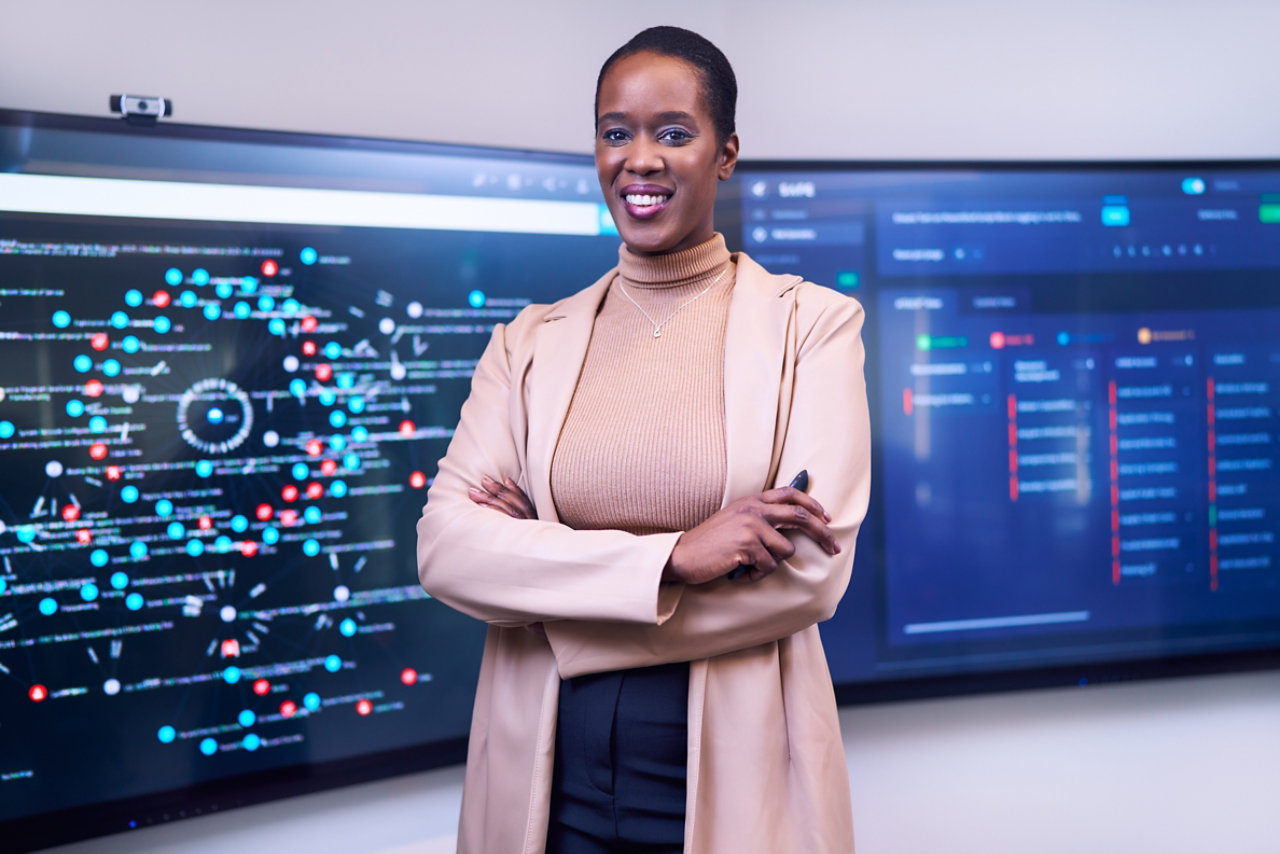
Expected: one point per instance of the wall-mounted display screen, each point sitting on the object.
(1074, 373)
(228, 364)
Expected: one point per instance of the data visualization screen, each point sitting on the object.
(1075, 386)
(228, 366)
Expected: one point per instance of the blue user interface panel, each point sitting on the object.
(228, 366)
(1075, 385)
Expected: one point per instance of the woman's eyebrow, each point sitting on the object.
(669, 116)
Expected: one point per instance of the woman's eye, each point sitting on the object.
(614, 136)
(675, 135)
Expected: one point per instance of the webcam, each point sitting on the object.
(141, 109)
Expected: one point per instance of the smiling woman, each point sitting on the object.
(659, 152)
(653, 679)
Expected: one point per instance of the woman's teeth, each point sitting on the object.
(644, 201)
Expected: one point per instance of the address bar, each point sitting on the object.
(77, 196)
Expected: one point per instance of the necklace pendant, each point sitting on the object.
(657, 333)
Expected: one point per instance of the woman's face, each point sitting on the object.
(657, 154)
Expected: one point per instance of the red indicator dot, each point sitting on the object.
(113, 472)
(39, 693)
(314, 490)
(288, 708)
(270, 268)
(206, 522)
(314, 447)
(160, 298)
(289, 518)
(261, 687)
(99, 341)
(70, 512)
(84, 535)
(231, 648)
(328, 467)
(308, 348)
(264, 512)
(93, 388)
(324, 373)
(409, 676)
(248, 548)
(364, 707)
(98, 451)
(997, 340)
(309, 323)
(407, 428)
(417, 480)
(289, 493)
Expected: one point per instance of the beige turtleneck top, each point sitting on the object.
(642, 448)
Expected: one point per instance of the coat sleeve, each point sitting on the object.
(512, 572)
(828, 431)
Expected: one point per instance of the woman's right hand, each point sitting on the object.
(505, 497)
(748, 532)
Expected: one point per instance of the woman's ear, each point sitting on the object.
(728, 157)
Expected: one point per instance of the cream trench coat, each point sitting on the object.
(766, 765)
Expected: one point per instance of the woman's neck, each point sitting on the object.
(673, 269)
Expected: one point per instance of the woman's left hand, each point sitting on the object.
(505, 497)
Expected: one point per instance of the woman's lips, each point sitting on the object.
(644, 205)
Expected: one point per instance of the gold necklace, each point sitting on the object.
(657, 327)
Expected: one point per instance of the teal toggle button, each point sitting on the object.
(606, 223)
(1115, 215)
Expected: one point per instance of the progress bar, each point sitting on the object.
(996, 622)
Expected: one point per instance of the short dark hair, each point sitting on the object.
(719, 85)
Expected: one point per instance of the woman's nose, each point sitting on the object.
(644, 157)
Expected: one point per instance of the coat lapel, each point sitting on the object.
(558, 356)
(756, 380)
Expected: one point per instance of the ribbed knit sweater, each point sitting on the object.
(642, 448)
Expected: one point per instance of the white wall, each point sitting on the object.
(1182, 766)
(823, 78)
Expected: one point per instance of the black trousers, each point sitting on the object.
(621, 762)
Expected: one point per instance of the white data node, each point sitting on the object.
(228, 613)
(53, 469)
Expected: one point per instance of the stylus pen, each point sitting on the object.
(800, 482)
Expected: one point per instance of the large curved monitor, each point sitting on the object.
(1074, 371)
(228, 364)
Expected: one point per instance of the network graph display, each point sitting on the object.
(215, 439)
(1075, 383)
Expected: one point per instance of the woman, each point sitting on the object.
(640, 692)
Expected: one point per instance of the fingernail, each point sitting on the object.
(473, 491)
